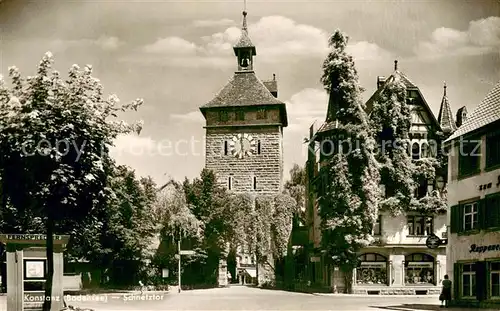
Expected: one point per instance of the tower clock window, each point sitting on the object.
(261, 114)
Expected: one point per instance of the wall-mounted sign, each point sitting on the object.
(489, 185)
(34, 269)
(433, 241)
(484, 248)
(164, 273)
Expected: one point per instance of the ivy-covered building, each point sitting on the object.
(398, 261)
(473, 253)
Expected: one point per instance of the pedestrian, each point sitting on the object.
(141, 286)
(445, 296)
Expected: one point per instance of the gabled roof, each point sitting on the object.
(409, 86)
(445, 116)
(487, 112)
(243, 89)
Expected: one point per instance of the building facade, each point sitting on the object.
(473, 254)
(398, 262)
(244, 137)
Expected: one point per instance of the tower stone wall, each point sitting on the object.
(266, 166)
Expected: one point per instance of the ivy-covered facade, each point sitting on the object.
(413, 194)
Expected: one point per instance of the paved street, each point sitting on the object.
(245, 298)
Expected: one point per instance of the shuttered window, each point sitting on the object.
(493, 150)
(469, 158)
(492, 210)
(469, 216)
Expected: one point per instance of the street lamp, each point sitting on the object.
(440, 182)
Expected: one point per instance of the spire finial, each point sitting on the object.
(444, 87)
(395, 65)
(244, 28)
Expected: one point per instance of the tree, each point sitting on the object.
(55, 137)
(391, 121)
(348, 204)
(178, 224)
(296, 187)
(210, 204)
(120, 232)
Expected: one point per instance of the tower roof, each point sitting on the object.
(487, 112)
(244, 41)
(243, 89)
(445, 116)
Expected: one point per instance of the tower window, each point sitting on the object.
(261, 114)
(258, 147)
(223, 116)
(226, 147)
(254, 186)
(230, 183)
(240, 115)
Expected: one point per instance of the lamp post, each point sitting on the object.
(179, 264)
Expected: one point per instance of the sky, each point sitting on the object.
(177, 55)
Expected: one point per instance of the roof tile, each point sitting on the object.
(488, 111)
(244, 89)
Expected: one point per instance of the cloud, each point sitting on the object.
(277, 38)
(212, 23)
(306, 107)
(107, 43)
(193, 116)
(171, 46)
(482, 37)
(132, 144)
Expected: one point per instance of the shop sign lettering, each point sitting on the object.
(484, 248)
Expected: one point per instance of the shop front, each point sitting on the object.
(476, 270)
(393, 271)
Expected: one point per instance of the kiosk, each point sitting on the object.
(27, 271)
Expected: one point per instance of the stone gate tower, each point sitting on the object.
(244, 128)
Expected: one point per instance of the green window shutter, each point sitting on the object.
(482, 214)
(454, 217)
(460, 218)
(456, 281)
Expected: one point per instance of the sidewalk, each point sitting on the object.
(376, 296)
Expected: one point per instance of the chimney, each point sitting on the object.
(380, 81)
(461, 116)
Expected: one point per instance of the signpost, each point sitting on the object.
(178, 256)
(433, 241)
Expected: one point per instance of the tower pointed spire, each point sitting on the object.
(445, 117)
(244, 49)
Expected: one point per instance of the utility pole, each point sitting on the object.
(179, 254)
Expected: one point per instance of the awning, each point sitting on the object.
(251, 272)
